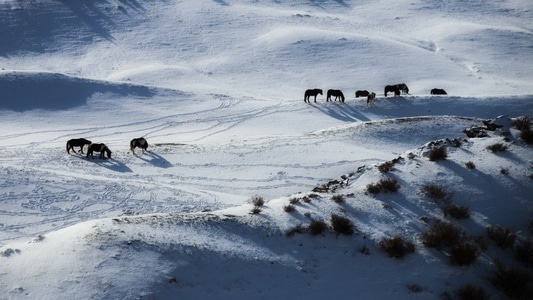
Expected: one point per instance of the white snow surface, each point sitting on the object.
(216, 87)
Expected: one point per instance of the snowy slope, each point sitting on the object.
(216, 88)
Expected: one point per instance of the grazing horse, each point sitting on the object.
(438, 92)
(140, 142)
(310, 93)
(397, 88)
(363, 93)
(403, 88)
(77, 143)
(336, 94)
(370, 99)
(392, 88)
(102, 148)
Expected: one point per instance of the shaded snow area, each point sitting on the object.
(246, 191)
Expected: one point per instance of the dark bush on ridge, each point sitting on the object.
(291, 232)
(373, 188)
(523, 251)
(457, 212)
(396, 247)
(514, 281)
(526, 136)
(441, 233)
(289, 208)
(257, 201)
(464, 254)
(317, 227)
(522, 123)
(436, 192)
(503, 237)
(338, 198)
(342, 225)
(386, 167)
(470, 165)
(438, 153)
(498, 147)
(255, 211)
(389, 185)
(471, 292)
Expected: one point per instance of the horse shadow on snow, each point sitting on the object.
(342, 112)
(154, 159)
(112, 164)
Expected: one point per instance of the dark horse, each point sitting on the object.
(438, 92)
(102, 148)
(310, 93)
(140, 142)
(397, 89)
(403, 88)
(363, 93)
(77, 143)
(392, 88)
(336, 94)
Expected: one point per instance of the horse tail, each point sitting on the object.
(68, 147)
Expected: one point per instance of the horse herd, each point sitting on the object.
(102, 148)
(397, 89)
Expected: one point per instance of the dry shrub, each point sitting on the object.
(481, 242)
(297, 229)
(513, 281)
(389, 185)
(503, 237)
(471, 292)
(504, 171)
(257, 201)
(441, 233)
(415, 288)
(526, 136)
(436, 192)
(373, 188)
(457, 212)
(396, 247)
(522, 123)
(317, 227)
(498, 147)
(342, 225)
(289, 208)
(464, 254)
(438, 153)
(386, 167)
(294, 200)
(364, 250)
(523, 251)
(470, 165)
(338, 198)
(255, 211)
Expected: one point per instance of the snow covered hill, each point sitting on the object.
(216, 88)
